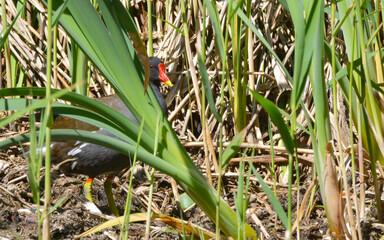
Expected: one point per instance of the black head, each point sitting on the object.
(158, 72)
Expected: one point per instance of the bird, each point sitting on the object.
(74, 157)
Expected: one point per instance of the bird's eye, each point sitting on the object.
(151, 66)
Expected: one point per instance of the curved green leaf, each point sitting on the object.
(110, 116)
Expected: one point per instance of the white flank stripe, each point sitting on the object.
(73, 165)
(83, 145)
(42, 150)
(74, 151)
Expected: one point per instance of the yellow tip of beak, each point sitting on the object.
(169, 83)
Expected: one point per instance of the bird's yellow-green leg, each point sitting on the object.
(108, 191)
(88, 189)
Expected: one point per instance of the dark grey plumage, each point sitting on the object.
(93, 160)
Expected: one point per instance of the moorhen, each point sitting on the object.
(92, 160)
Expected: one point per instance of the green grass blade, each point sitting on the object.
(277, 119)
(272, 198)
(233, 148)
(4, 36)
(207, 87)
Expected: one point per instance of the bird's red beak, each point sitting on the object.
(163, 75)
